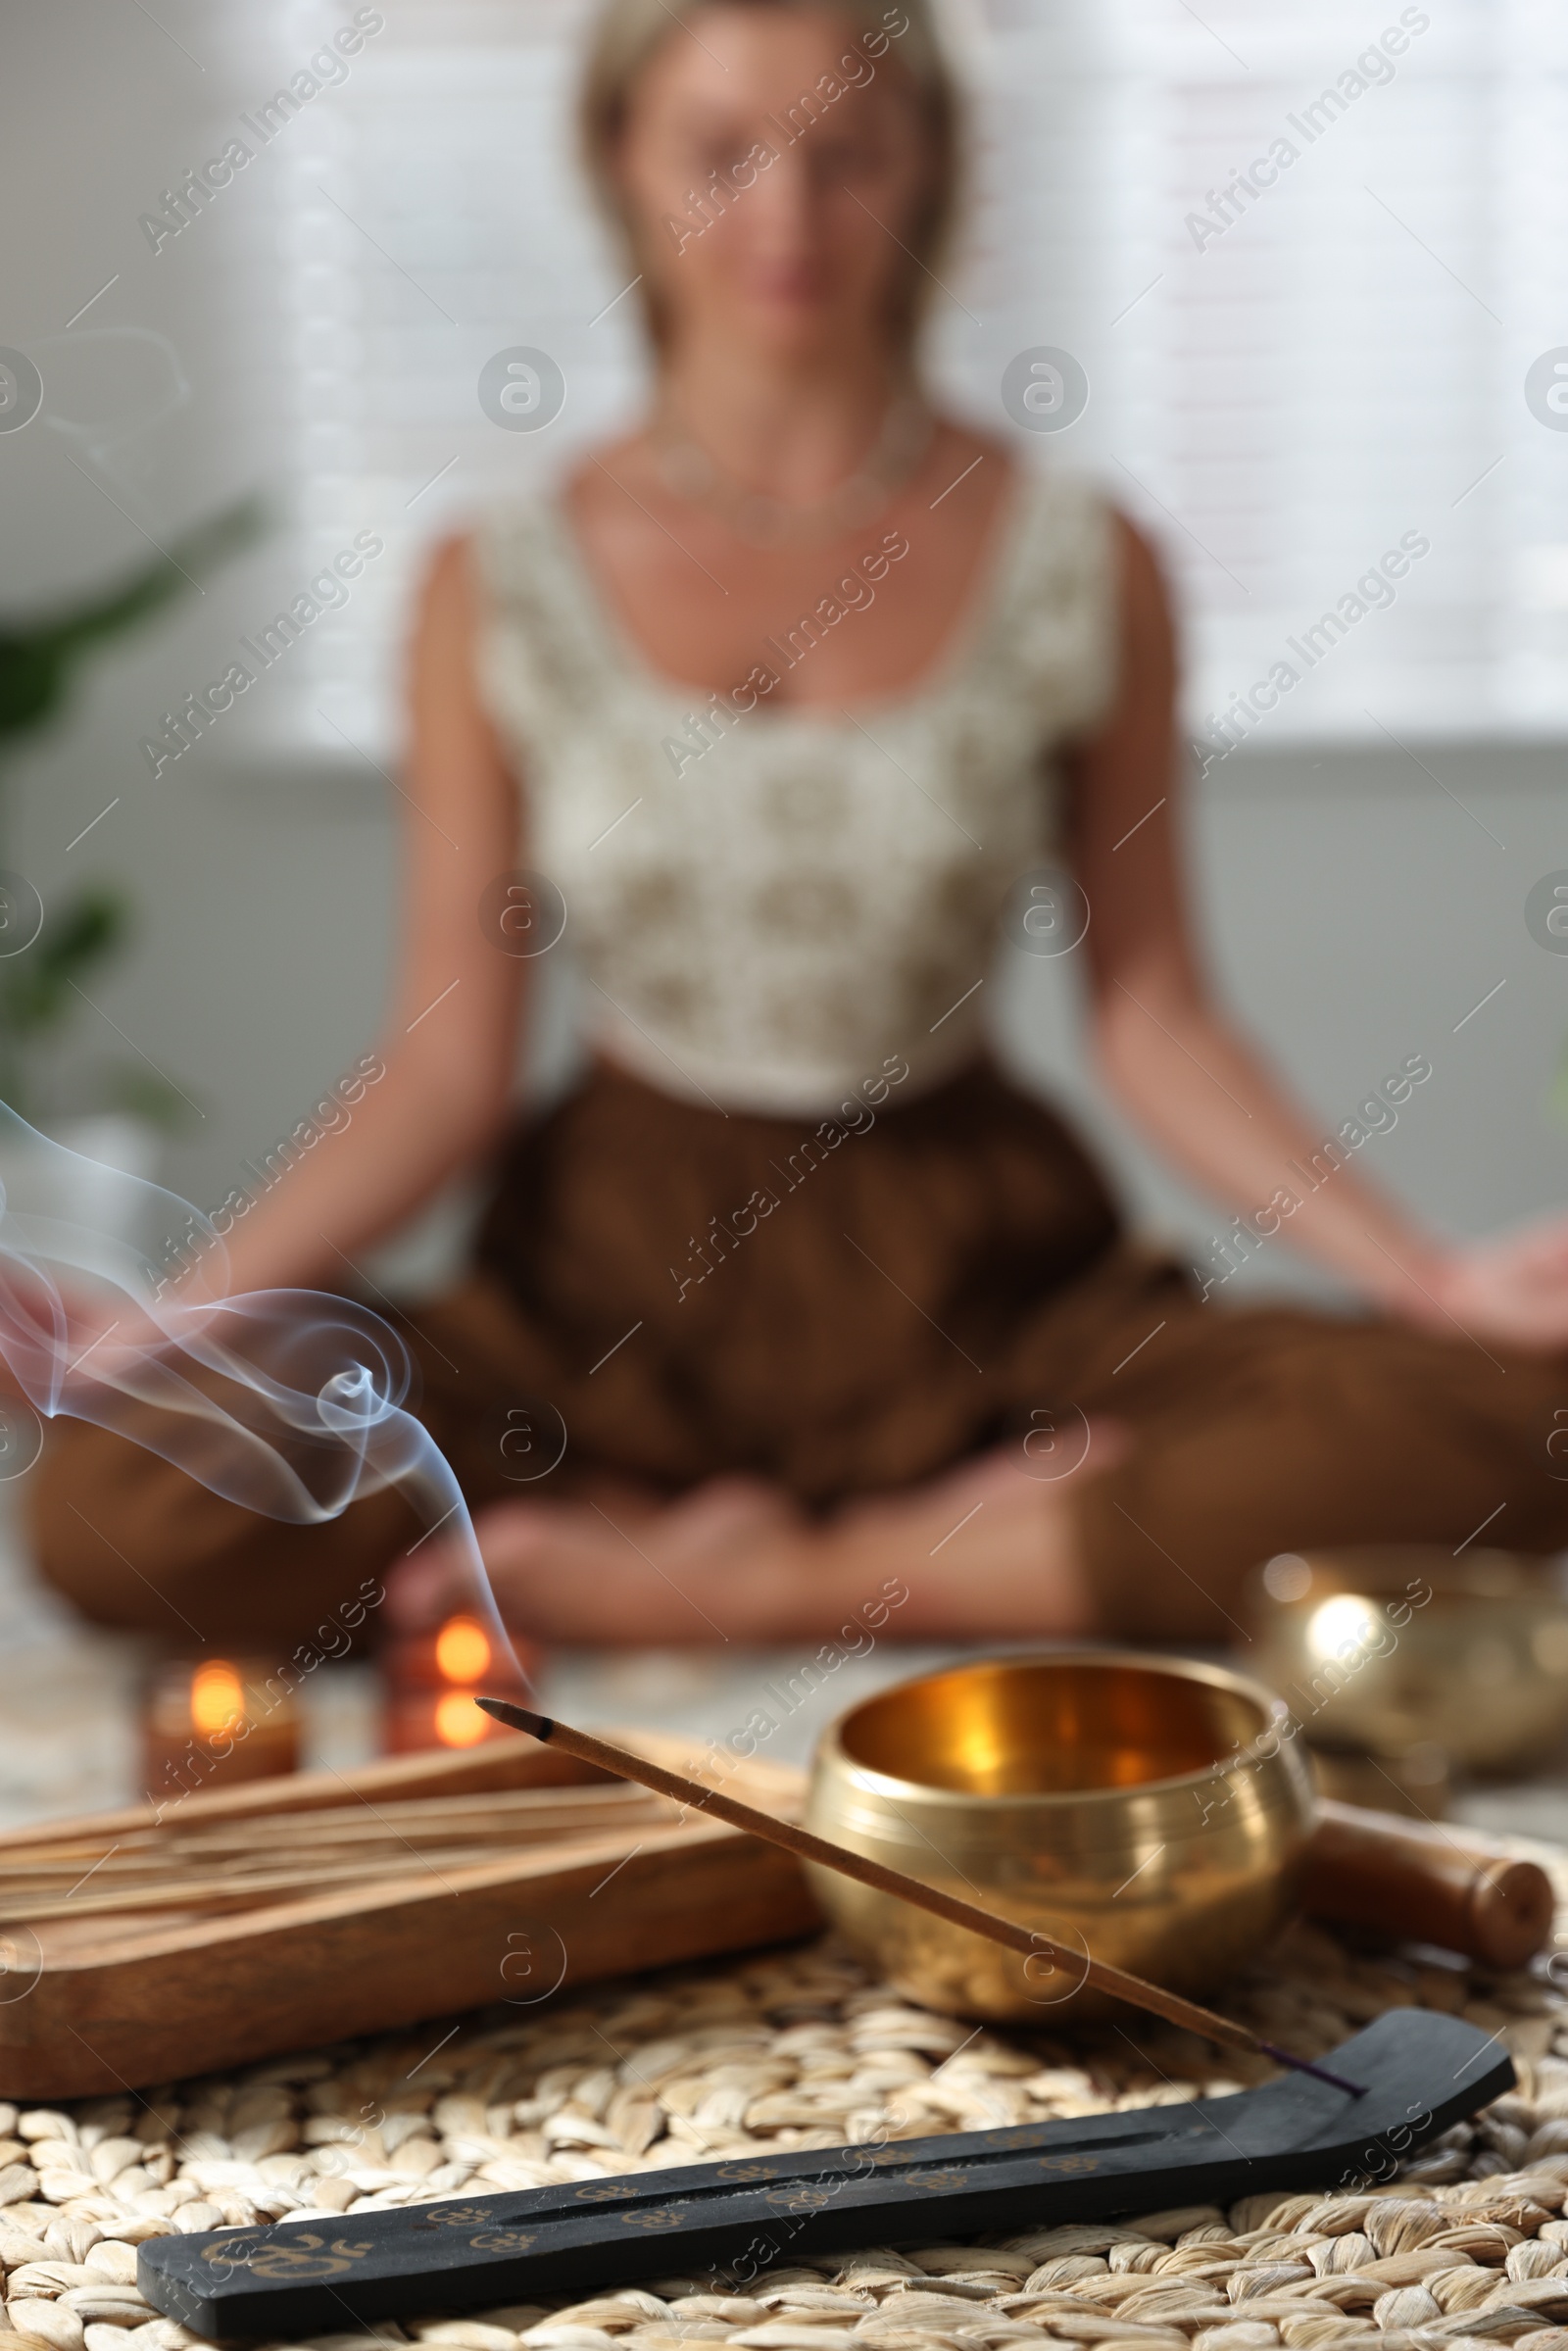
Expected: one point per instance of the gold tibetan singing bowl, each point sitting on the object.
(1385, 1649)
(1139, 1810)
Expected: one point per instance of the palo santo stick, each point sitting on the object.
(1028, 1941)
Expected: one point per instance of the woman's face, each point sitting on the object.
(773, 160)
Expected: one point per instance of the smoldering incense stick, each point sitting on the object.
(802, 1843)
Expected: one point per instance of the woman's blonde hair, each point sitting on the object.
(624, 38)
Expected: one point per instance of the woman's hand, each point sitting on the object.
(1196, 1085)
(1513, 1289)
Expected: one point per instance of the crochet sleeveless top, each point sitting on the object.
(775, 905)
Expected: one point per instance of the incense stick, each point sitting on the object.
(259, 1863)
(209, 1875)
(263, 1890)
(1114, 1980)
(346, 1829)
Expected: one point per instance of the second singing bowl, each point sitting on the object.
(1393, 1647)
(1145, 1811)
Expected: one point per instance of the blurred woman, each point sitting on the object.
(783, 691)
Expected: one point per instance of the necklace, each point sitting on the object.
(689, 473)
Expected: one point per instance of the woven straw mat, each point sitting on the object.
(800, 2048)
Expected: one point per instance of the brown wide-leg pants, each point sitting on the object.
(846, 1311)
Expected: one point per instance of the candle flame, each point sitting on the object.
(459, 1722)
(463, 1652)
(217, 1700)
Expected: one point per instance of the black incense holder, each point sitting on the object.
(1422, 2072)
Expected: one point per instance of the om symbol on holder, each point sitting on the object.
(804, 2198)
(233, 2252)
(304, 2255)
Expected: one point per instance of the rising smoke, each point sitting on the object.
(290, 1403)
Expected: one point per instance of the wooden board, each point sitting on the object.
(1420, 2071)
(112, 2000)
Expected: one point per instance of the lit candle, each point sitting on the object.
(215, 1720)
(433, 1679)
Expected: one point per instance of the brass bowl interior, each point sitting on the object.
(1042, 1726)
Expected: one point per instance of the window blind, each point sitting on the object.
(1309, 264)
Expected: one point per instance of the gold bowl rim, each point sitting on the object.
(830, 1748)
(1491, 1578)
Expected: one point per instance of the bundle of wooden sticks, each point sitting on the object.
(1364, 1868)
(243, 1921)
(283, 1914)
(259, 1857)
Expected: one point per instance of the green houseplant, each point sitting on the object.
(39, 664)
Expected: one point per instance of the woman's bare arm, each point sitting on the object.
(1189, 1077)
(450, 1036)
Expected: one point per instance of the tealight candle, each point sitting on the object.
(215, 1720)
(432, 1682)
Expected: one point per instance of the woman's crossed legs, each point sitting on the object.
(1222, 1439)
